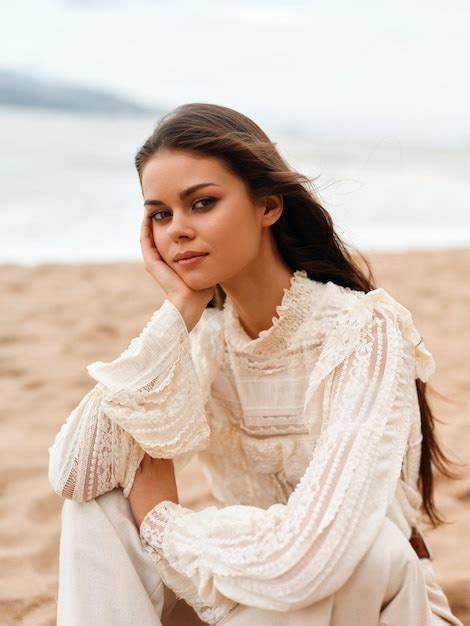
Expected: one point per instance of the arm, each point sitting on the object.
(150, 399)
(291, 555)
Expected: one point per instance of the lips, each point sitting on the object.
(192, 261)
(189, 254)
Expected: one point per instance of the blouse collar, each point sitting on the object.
(325, 306)
(297, 300)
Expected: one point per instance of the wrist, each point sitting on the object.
(159, 514)
(189, 311)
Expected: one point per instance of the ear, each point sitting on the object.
(272, 210)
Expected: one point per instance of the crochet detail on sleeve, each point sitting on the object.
(291, 555)
(149, 399)
(151, 533)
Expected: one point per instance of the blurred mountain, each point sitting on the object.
(24, 90)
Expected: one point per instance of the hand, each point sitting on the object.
(154, 482)
(169, 281)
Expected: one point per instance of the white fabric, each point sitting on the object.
(104, 577)
(310, 436)
(118, 584)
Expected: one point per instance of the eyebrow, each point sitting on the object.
(183, 194)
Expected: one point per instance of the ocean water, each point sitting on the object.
(70, 192)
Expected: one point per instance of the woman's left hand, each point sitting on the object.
(154, 482)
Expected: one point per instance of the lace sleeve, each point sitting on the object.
(291, 555)
(150, 399)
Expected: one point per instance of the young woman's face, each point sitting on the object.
(218, 218)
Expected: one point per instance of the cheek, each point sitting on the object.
(235, 242)
(235, 232)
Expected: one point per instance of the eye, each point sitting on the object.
(210, 201)
(160, 215)
(153, 216)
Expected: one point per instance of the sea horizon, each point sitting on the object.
(71, 192)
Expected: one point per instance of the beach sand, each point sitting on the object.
(56, 319)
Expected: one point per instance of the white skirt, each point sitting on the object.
(107, 578)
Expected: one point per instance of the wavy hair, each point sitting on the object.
(304, 233)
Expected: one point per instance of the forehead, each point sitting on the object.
(174, 170)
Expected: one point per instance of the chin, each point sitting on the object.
(197, 282)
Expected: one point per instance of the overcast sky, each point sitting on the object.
(346, 69)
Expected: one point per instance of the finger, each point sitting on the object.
(147, 242)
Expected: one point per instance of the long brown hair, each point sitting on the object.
(304, 233)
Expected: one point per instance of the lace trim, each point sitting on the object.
(297, 301)
(151, 536)
(154, 523)
(250, 551)
(425, 364)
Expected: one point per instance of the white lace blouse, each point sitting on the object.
(309, 435)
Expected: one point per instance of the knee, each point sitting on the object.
(390, 551)
(115, 506)
(112, 505)
(400, 554)
(77, 516)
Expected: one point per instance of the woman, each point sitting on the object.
(300, 386)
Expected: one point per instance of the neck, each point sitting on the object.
(258, 289)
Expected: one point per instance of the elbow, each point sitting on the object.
(68, 492)
(275, 599)
(292, 601)
(66, 489)
(54, 475)
(193, 437)
(275, 594)
(293, 604)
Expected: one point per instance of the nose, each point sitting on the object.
(180, 226)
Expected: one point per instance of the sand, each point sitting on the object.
(58, 318)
